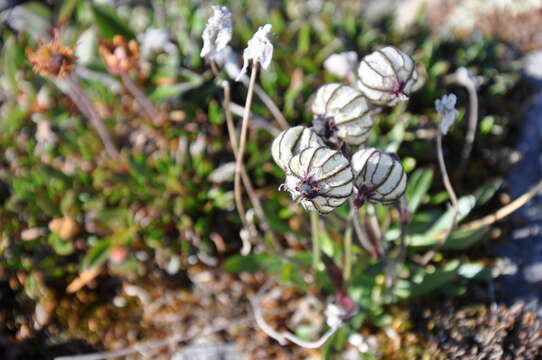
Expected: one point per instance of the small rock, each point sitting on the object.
(66, 227)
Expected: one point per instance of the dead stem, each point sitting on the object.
(504, 211)
(242, 143)
(83, 102)
(285, 335)
(253, 196)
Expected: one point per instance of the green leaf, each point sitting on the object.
(165, 92)
(395, 137)
(66, 10)
(13, 58)
(432, 236)
(250, 263)
(486, 192)
(458, 240)
(109, 23)
(475, 271)
(463, 239)
(418, 186)
(430, 281)
(465, 205)
(97, 254)
(60, 246)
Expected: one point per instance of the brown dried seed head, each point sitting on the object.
(120, 56)
(52, 58)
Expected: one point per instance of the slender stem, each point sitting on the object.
(468, 83)
(315, 240)
(242, 143)
(347, 272)
(141, 99)
(404, 218)
(253, 196)
(455, 206)
(504, 211)
(83, 102)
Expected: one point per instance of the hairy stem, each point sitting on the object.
(83, 102)
(242, 143)
(469, 84)
(453, 198)
(142, 100)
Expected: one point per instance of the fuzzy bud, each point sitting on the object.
(290, 142)
(341, 113)
(319, 178)
(379, 177)
(387, 76)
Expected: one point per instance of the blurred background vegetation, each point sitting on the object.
(98, 254)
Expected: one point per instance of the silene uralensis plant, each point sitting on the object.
(370, 244)
(333, 165)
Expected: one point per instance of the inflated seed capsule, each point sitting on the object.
(387, 76)
(290, 142)
(319, 178)
(341, 113)
(379, 177)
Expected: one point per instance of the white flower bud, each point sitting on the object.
(379, 177)
(218, 31)
(319, 178)
(341, 114)
(387, 76)
(341, 64)
(445, 107)
(290, 142)
(259, 49)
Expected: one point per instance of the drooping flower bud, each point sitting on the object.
(445, 107)
(319, 178)
(379, 177)
(342, 64)
(387, 76)
(341, 113)
(290, 142)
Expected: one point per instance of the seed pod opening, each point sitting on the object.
(387, 76)
(320, 179)
(379, 177)
(341, 113)
(290, 142)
